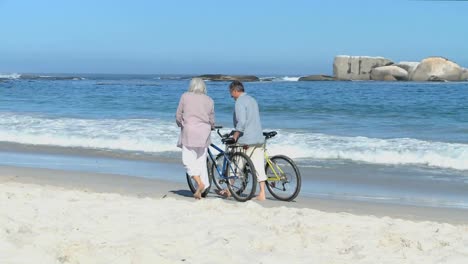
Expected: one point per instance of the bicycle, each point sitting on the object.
(283, 175)
(237, 170)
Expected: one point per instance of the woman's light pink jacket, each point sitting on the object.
(195, 116)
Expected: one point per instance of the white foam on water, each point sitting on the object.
(290, 79)
(12, 76)
(280, 79)
(147, 135)
(156, 136)
(371, 150)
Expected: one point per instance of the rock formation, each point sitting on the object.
(436, 69)
(389, 73)
(408, 66)
(357, 67)
(221, 77)
(464, 75)
(317, 78)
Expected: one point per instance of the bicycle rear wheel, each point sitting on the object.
(242, 178)
(193, 184)
(288, 186)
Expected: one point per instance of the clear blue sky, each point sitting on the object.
(233, 37)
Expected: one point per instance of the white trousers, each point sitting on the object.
(257, 156)
(194, 160)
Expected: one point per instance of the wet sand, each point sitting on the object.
(156, 188)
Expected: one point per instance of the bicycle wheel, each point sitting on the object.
(242, 178)
(288, 186)
(193, 184)
(216, 178)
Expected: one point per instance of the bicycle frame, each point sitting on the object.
(273, 167)
(225, 161)
(237, 172)
(210, 154)
(282, 183)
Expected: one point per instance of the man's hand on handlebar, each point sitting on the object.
(235, 135)
(229, 140)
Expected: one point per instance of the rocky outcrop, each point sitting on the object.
(464, 75)
(408, 66)
(436, 69)
(221, 77)
(389, 73)
(389, 78)
(317, 78)
(50, 78)
(357, 67)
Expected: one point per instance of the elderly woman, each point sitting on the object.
(195, 117)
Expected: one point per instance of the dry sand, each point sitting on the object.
(68, 217)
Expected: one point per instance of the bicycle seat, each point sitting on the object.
(268, 135)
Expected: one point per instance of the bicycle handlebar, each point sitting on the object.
(225, 138)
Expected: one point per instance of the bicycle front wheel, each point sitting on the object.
(242, 178)
(283, 178)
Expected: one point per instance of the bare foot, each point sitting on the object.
(198, 193)
(260, 197)
(225, 193)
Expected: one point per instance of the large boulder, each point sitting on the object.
(221, 77)
(317, 78)
(464, 75)
(357, 67)
(389, 78)
(409, 66)
(385, 72)
(437, 69)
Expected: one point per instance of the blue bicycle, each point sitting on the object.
(231, 168)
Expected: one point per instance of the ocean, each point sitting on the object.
(401, 142)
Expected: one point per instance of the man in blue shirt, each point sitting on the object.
(248, 130)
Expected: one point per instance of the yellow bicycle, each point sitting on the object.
(283, 175)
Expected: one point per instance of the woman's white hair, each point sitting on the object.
(197, 85)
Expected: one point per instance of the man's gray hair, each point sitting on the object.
(197, 85)
(236, 86)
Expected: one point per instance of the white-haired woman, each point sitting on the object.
(195, 117)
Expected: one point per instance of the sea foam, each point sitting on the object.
(12, 76)
(159, 136)
(372, 150)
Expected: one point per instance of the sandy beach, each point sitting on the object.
(370, 113)
(52, 216)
